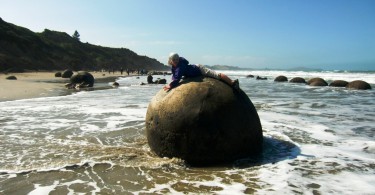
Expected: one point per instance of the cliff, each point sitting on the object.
(21, 49)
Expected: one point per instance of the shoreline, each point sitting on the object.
(43, 84)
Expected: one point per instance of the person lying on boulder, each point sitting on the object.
(181, 67)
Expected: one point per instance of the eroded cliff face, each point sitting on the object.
(22, 49)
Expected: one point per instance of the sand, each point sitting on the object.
(41, 84)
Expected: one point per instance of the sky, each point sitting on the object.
(274, 34)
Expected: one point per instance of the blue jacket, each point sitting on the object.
(183, 69)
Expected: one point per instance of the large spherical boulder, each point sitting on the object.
(203, 121)
(297, 80)
(84, 78)
(281, 78)
(317, 82)
(358, 84)
(338, 83)
(67, 74)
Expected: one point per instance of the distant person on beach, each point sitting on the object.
(181, 67)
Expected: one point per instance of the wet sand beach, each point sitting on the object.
(42, 84)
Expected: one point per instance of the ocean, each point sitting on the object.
(317, 140)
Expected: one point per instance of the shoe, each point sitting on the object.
(236, 85)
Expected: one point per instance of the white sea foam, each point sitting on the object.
(43, 189)
(327, 75)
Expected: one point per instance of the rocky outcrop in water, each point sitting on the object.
(317, 82)
(203, 121)
(281, 78)
(58, 74)
(66, 74)
(81, 79)
(297, 80)
(338, 83)
(158, 81)
(115, 84)
(358, 84)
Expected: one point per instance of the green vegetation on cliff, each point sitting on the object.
(22, 49)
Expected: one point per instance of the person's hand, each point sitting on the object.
(167, 88)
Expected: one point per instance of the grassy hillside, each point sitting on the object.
(22, 49)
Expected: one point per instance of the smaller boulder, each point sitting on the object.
(11, 78)
(281, 78)
(338, 83)
(67, 74)
(115, 84)
(161, 81)
(58, 74)
(261, 78)
(358, 84)
(297, 80)
(250, 76)
(317, 82)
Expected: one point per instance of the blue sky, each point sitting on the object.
(327, 34)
